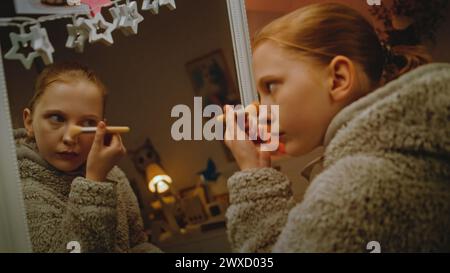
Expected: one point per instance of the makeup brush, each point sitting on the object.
(76, 130)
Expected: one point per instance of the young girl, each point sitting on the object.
(73, 190)
(386, 164)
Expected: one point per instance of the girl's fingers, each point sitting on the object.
(252, 130)
(235, 130)
(100, 134)
(115, 141)
(117, 144)
(232, 131)
(122, 147)
(120, 139)
(229, 123)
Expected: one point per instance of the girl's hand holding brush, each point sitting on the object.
(247, 152)
(103, 155)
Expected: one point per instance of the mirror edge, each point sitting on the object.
(14, 235)
(242, 51)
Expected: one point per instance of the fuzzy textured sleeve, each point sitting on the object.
(260, 201)
(361, 198)
(138, 239)
(88, 216)
(346, 207)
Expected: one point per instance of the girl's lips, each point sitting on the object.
(67, 155)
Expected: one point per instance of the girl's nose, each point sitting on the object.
(265, 100)
(69, 138)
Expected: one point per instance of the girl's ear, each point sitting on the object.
(342, 76)
(28, 122)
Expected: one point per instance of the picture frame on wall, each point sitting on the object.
(211, 79)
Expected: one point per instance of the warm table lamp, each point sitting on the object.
(158, 180)
(159, 183)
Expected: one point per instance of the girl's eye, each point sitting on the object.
(89, 123)
(56, 118)
(271, 87)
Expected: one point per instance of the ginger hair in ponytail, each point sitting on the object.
(323, 31)
(402, 58)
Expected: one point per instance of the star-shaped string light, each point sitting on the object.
(99, 29)
(41, 44)
(26, 46)
(130, 18)
(96, 5)
(18, 41)
(169, 3)
(115, 14)
(77, 35)
(151, 5)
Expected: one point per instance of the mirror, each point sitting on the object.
(175, 59)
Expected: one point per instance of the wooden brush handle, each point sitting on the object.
(117, 129)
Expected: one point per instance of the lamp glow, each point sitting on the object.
(158, 180)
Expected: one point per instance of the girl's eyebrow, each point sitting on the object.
(54, 112)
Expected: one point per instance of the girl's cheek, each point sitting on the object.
(87, 139)
(42, 128)
(85, 143)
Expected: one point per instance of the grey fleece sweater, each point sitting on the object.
(386, 178)
(61, 207)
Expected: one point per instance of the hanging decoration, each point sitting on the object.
(41, 44)
(99, 29)
(21, 41)
(77, 35)
(153, 5)
(32, 40)
(128, 18)
(169, 3)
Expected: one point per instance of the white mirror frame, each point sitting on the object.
(14, 235)
(242, 51)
